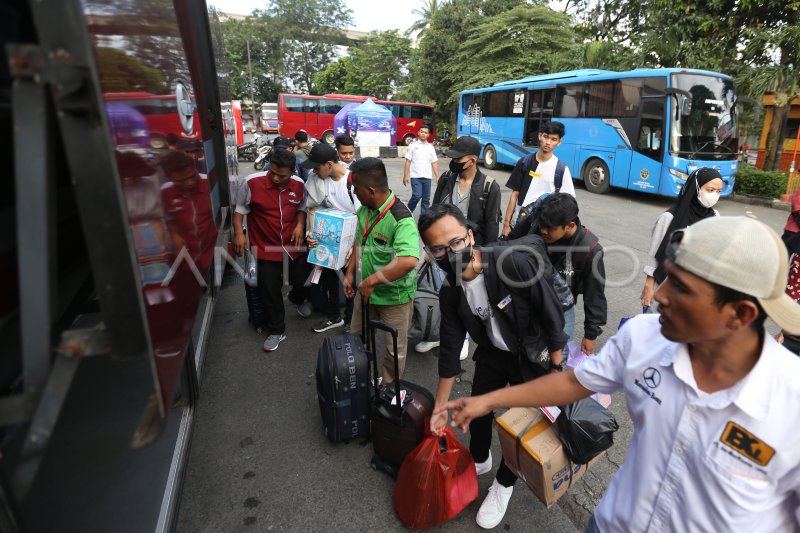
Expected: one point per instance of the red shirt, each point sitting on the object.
(189, 211)
(271, 214)
(791, 225)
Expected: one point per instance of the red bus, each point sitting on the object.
(315, 115)
(160, 112)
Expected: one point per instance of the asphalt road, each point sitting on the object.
(260, 462)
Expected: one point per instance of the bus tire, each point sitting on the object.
(490, 157)
(328, 137)
(408, 139)
(596, 176)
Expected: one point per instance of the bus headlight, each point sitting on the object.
(678, 174)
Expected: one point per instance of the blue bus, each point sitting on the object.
(644, 130)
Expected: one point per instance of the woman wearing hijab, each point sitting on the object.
(695, 202)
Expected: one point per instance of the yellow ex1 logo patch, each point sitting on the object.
(736, 437)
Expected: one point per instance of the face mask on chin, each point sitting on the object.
(707, 199)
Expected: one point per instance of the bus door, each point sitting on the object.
(310, 118)
(540, 109)
(475, 114)
(647, 153)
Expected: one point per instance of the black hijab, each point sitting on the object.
(686, 211)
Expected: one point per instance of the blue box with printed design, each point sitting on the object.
(335, 231)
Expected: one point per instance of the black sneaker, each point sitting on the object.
(327, 324)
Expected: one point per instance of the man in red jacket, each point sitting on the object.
(276, 219)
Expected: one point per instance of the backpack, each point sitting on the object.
(558, 176)
(527, 219)
(426, 315)
(577, 262)
(534, 245)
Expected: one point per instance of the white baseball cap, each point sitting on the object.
(743, 254)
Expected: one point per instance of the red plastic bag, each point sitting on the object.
(436, 482)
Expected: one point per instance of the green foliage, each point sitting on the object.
(309, 31)
(527, 40)
(118, 70)
(425, 15)
(377, 66)
(266, 58)
(767, 183)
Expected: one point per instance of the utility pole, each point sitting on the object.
(252, 89)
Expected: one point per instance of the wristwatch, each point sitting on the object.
(559, 367)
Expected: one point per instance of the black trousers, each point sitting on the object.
(270, 284)
(330, 284)
(494, 369)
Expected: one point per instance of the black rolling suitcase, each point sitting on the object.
(396, 429)
(343, 387)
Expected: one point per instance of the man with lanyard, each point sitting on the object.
(276, 221)
(712, 396)
(385, 255)
(329, 186)
(511, 313)
(537, 174)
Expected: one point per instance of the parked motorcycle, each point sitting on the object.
(262, 156)
(443, 142)
(249, 151)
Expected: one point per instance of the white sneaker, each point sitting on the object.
(464, 350)
(493, 508)
(486, 466)
(425, 346)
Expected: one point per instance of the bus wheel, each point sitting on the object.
(408, 139)
(490, 157)
(328, 137)
(596, 176)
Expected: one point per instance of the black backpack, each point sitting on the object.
(535, 246)
(449, 178)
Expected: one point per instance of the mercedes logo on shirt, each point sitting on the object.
(652, 377)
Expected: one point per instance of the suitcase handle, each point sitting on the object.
(375, 325)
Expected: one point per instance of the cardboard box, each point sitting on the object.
(532, 451)
(336, 233)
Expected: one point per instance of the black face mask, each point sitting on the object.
(455, 260)
(457, 168)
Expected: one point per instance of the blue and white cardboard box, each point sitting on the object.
(335, 231)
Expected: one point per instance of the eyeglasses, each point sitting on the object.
(456, 245)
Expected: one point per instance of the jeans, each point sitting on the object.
(569, 322)
(420, 190)
(592, 527)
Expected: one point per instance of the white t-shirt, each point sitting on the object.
(543, 181)
(478, 300)
(338, 196)
(422, 156)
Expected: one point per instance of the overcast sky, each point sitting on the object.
(391, 15)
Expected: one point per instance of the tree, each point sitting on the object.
(781, 77)
(425, 15)
(377, 66)
(447, 31)
(309, 31)
(266, 58)
(527, 40)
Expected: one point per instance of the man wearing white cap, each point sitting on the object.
(714, 399)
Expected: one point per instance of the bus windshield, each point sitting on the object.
(705, 125)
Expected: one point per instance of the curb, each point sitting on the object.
(384, 152)
(774, 203)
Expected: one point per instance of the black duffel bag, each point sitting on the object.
(586, 430)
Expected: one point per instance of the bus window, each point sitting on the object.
(651, 129)
(628, 97)
(599, 98)
(466, 104)
(536, 104)
(294, 104)
(310, 106)
(330, 107)
(497, 104)
(571, 99)
(517, 104)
